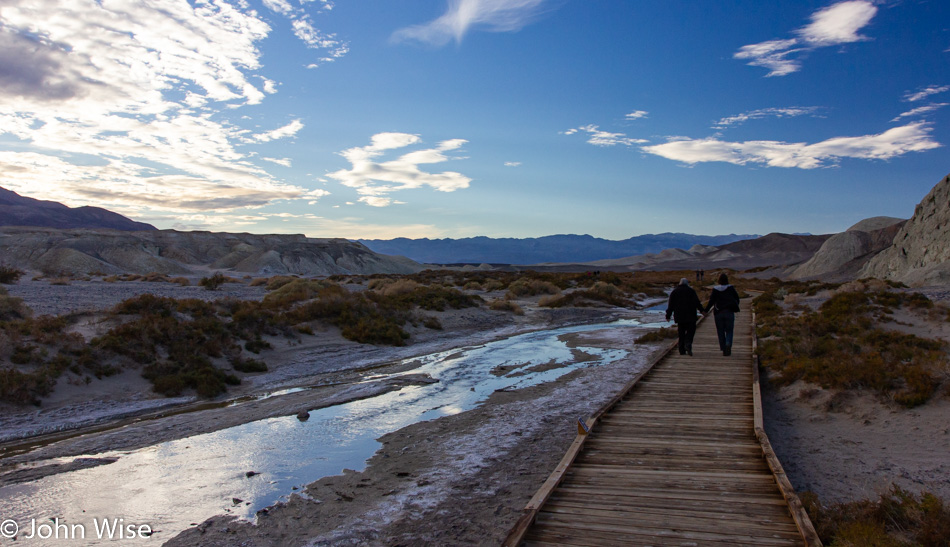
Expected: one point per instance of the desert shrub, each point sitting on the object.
(658, 335)
(258, 282)
(492, 285)
(531, 287)
(22, 388)
(183, 281)
(10, 275)
(585, 298)
(500, 304)
(279, 281)
(839, 347)
(472, 286)
(394, 287)
(295, 290)
(59, 281)
(431, 322)
(433, 298)
(248, 365)
(213, 282)
(12, 307)
(897, 518)
(256, 345)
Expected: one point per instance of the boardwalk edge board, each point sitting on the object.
(805, 528)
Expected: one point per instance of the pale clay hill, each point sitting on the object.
(86, 251)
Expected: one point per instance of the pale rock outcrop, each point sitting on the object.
(842, 255)
(920, 252)
(84, 251)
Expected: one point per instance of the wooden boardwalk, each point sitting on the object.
(679, 458)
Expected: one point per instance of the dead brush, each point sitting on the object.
(897, 518)
(500, 304)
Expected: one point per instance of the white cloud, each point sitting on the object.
(118, 104)
(279, 161)
(375, 181)
(304, 29)
(926, 92)
(788, 112)
(920, 111)
(512, 163)
(894, 142)
(637, 114)
(599, 137)
(288, 130)
(834, 25)
(839, 23)
(462, 15)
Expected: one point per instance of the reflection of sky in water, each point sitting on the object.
(173, 484)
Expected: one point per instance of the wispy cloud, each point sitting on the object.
(302, 23)
(598, 137)
(463, 15)
(124, 104)
(375, 181)
(920, 111)
(288, 130)
(923, 93)
(834, 25)
(512, 163)
(637, 114)
(894, 142)
(788, 112)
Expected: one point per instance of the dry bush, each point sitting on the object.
(396, 287)
(473, 286)
(296, 290)
(500, 304)
(279, 281)
(155, 277)
(111, 279)
(898, 518)
(531, 287)
(12, 307)
(10, 275)
(183, 281)
(59, 281)
(258, 282)
(492, 285)
(658, 335)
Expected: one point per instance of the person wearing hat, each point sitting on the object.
(682, 306)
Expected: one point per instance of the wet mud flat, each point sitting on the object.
(493, 455)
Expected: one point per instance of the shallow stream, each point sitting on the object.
(173, 485)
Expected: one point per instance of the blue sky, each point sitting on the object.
(457, 118)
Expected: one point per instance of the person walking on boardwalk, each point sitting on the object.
(683, 305)
(725, 302)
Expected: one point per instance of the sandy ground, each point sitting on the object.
(852, 446)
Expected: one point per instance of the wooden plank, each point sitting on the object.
(676, 458)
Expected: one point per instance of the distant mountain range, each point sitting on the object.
(17, 210)
(556, 248)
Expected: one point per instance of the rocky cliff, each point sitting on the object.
(843, 255)
(83, 251)
(17, 210)
(920, 252)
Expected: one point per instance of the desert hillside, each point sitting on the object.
(85, 251)
(17, 210)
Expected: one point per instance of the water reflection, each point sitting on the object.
(172, 485)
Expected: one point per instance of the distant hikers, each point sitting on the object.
(725, 303)
(683, 306)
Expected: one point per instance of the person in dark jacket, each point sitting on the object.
(725, 303)
(683, 306)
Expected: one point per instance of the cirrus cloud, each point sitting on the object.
(834, 25)
(462, 15)
(599, 137)
(374, 181)
(894, 142)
